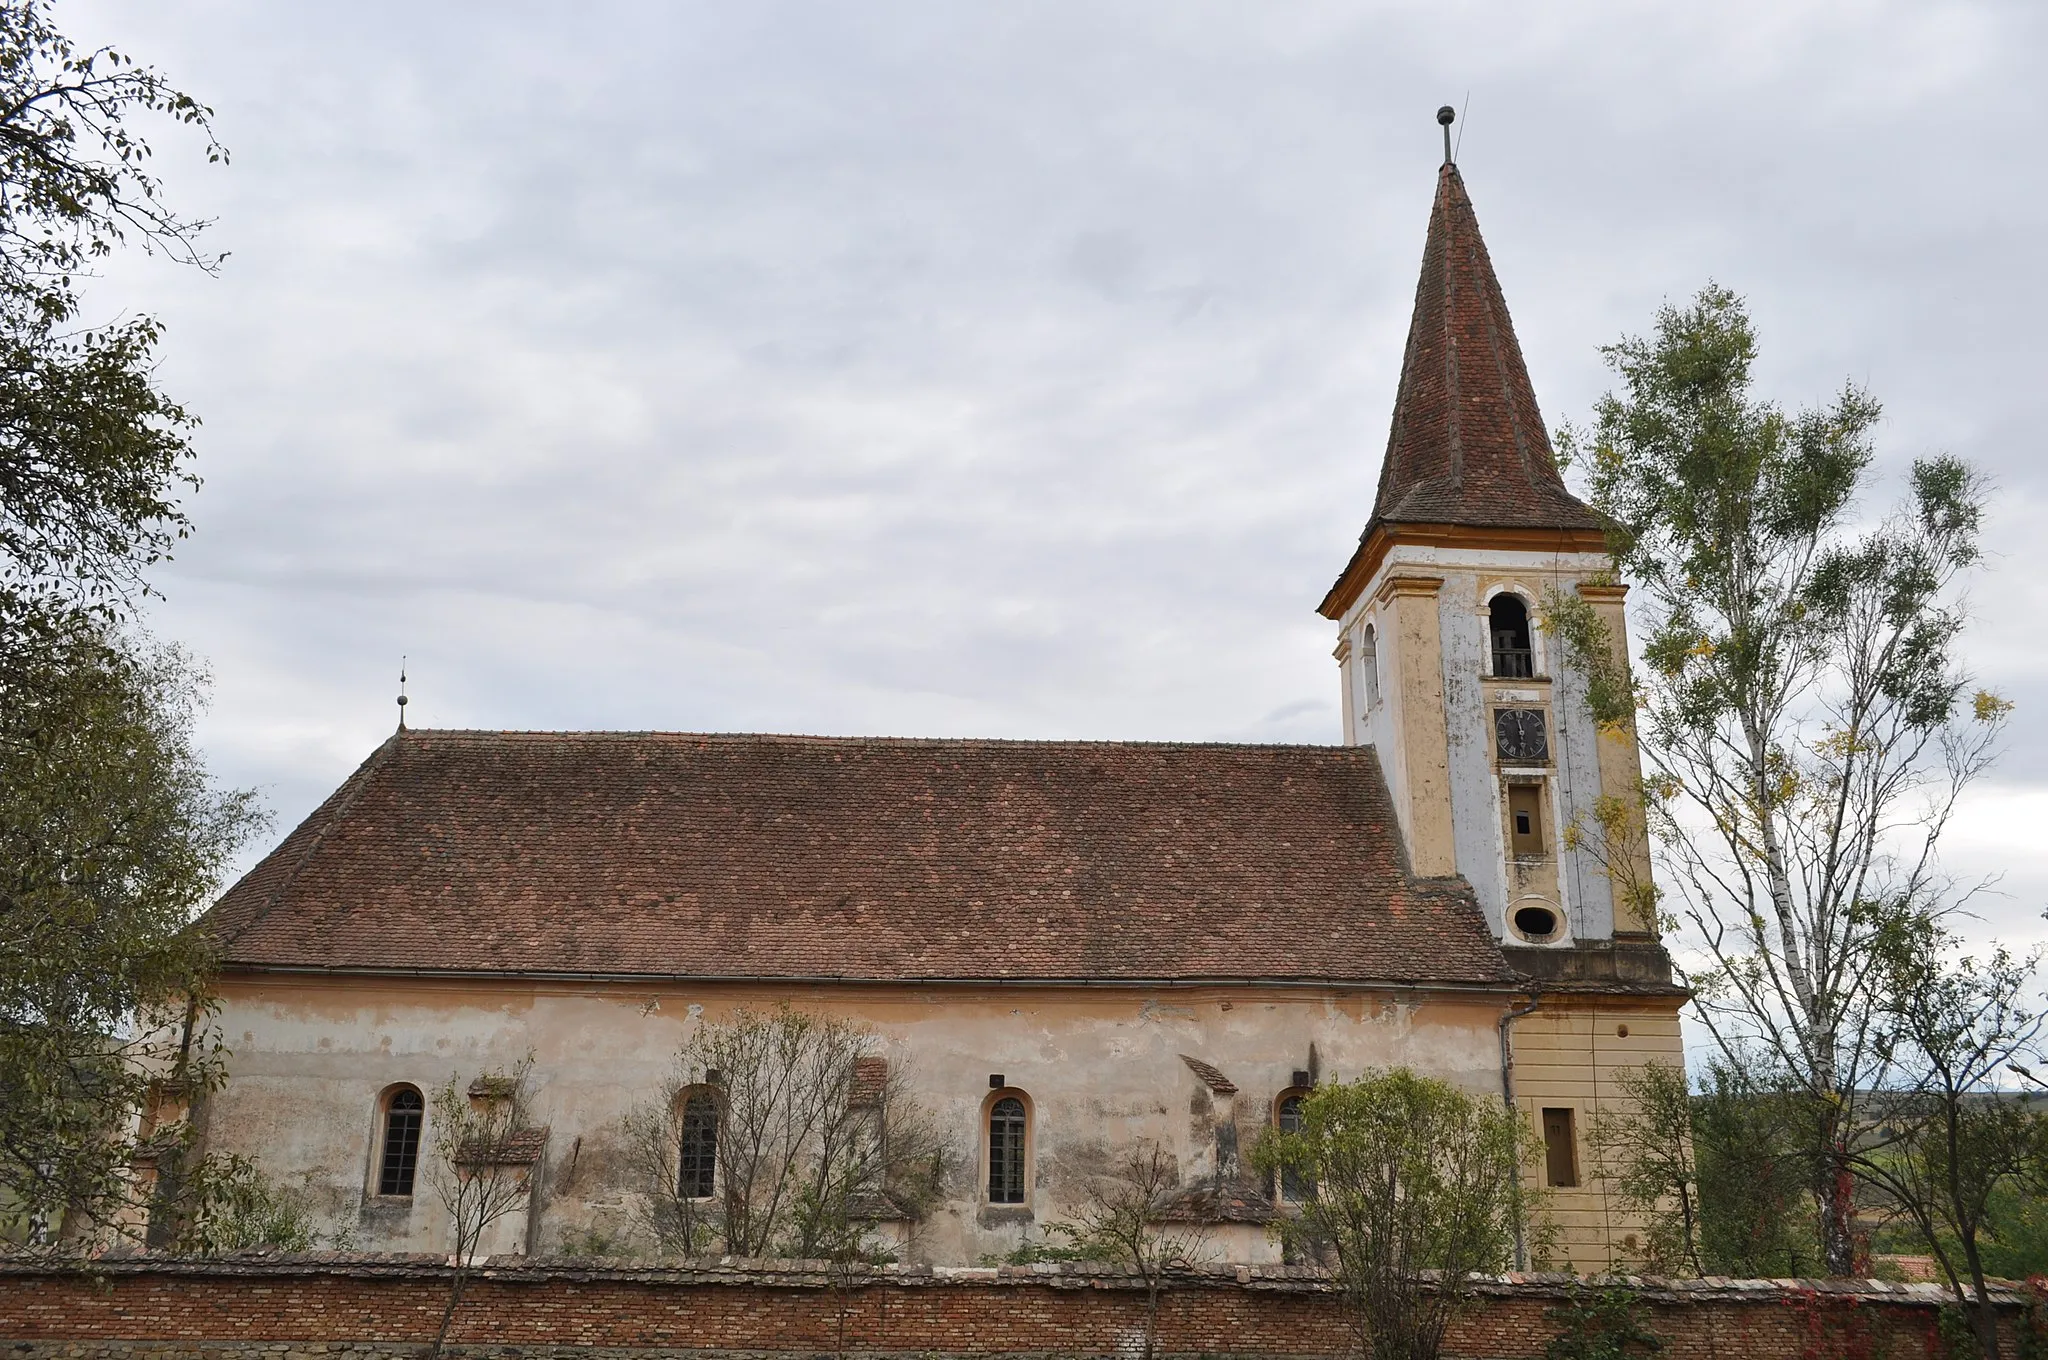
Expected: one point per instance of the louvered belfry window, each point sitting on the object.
(403, 1116)
(1006, 1151)
(698, 1176)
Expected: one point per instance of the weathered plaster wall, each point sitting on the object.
(1567, 1056)
(1101, 1065)
(1462, 760)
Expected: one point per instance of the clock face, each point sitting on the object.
(1519, 737)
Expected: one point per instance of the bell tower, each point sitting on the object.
(1479, 716)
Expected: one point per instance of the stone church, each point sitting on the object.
(1067, 946)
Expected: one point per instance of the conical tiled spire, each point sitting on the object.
(1468, 445)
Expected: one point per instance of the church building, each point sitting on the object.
(1066, 948)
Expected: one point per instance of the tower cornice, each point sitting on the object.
(1382, 539)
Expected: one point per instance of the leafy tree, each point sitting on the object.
(486, 1147)
(1948, 1138)
(2018, 1246)
(235, 1207)
(1753, 1143)
(1645, 1152)
(92, 453)
(111, 837)
(1600, 1324)
(1805, 726)
(1721, 1176)
(110, 833)
(816, 1138)
(1415, 1193)
(1138, 1219)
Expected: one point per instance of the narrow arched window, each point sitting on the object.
(1006, 1121)
(1287, 1117)
(1369, 666)
(697, 1174)
(404, 1112)
(1508, 620)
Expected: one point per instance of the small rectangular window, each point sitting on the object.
(1560, 1148)
(1525, 820)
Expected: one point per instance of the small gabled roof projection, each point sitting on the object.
(684, 855)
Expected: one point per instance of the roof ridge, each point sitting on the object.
(827, 739)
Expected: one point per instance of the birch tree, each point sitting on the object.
(1805, 725)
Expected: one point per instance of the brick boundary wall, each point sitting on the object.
(352, 1307)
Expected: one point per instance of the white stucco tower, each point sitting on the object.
(1479, 717)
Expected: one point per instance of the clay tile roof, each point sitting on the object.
(1468, 445)
(870, 1079)
(1211, 1075)
(520, 1147)
(1209, 1202)
(678, 855)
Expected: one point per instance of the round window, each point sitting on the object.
(1535, 923)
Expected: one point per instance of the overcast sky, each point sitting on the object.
(1000, 368)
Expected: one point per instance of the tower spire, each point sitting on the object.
(1467, 447)
(1467, 444)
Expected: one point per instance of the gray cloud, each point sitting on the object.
(1003, 369)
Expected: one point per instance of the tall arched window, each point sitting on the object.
(1287, 1116)
(697, 1165)
(1508, 620)
(1006, 1125)
(1369, 666)
(405, 1110)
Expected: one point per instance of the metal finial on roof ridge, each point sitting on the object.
(402, 701)
(1445, 116)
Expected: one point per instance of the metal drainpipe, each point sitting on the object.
(1507, 1095)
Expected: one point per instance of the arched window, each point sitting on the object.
(405, 1110)
(1509, 622)
(1006, 1126)
(1287, 1118)
(697, 1164)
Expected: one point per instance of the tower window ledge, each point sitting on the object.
(1542, 680)
(1529, 772)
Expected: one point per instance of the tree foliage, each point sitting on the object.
(1137, 1218)
(1950, 1143)
(236, 1207)
(818, 1140)
(92, 453)
(1721, 1177)
(1600, 1324)
(1415, 1192)
(1806, 727)
(111, 837)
